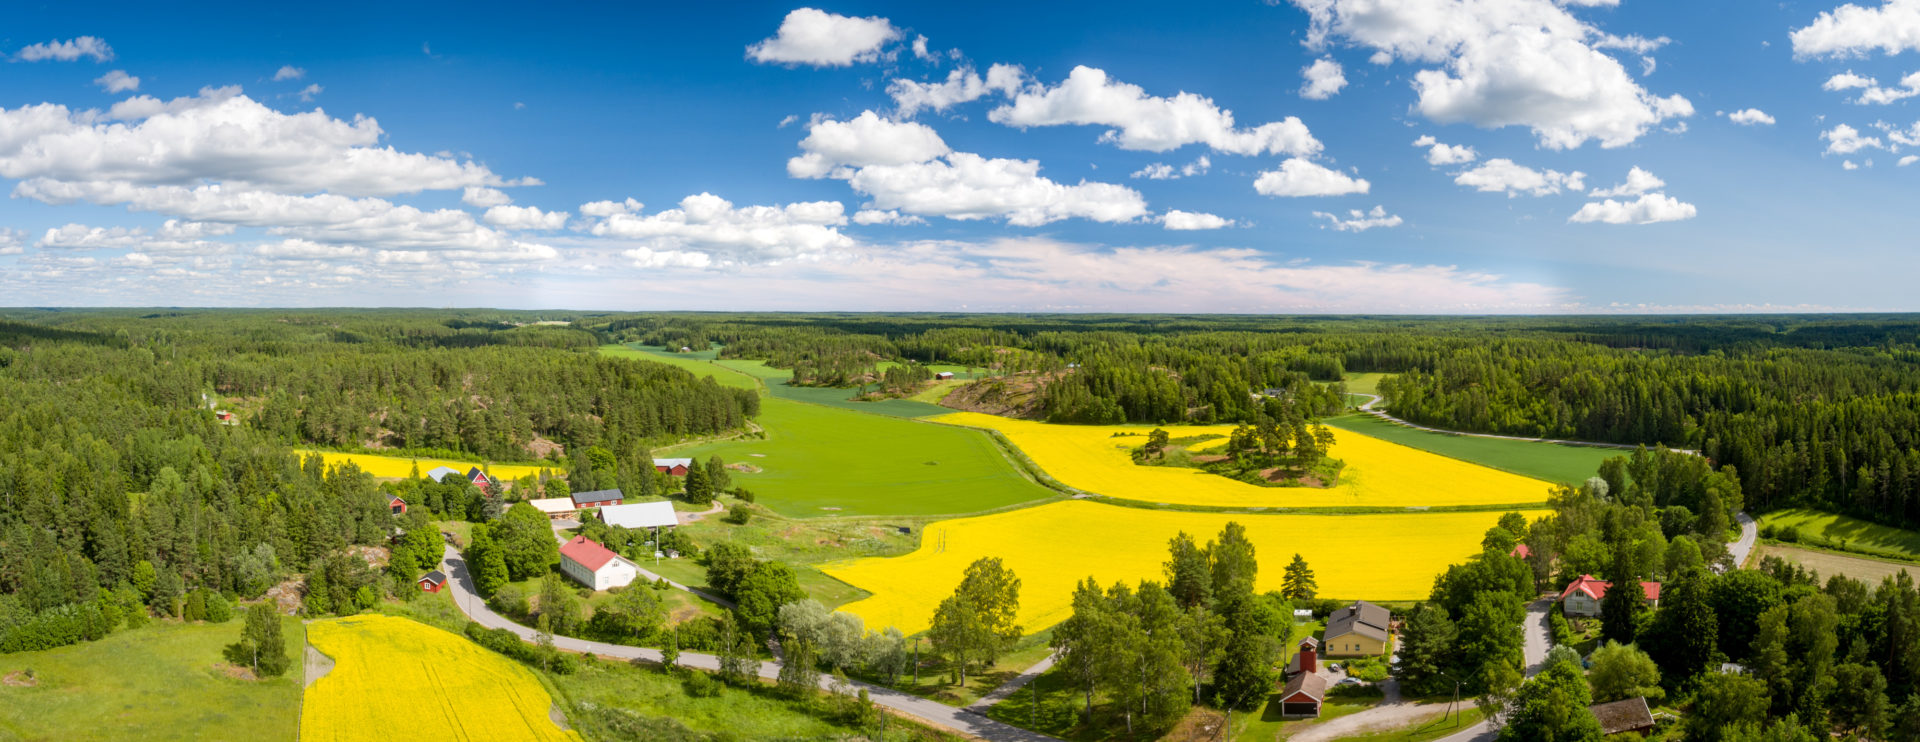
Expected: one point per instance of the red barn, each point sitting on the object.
(597, 498)
(479, 478)
(676, 467)
(431, 582)
(1303, 695)
(396, 505)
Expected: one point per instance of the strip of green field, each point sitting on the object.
(1368, 383)
(1552, 462)
(775, 380)
(825, 460)
(1846, 533)
(165, 680)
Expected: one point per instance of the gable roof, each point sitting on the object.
(670, 463)
(476, 475)
(1521, 551)
(1363, 618)
(587, 553)
(393, 499)
(1623, 716)
(441, 471)
(1310, 683)
(1597, 589)
(433, 578)
(552, 505)
(597, 496)
(640, 515)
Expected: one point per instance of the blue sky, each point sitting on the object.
(781, 156)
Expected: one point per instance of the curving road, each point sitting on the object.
(933, 713)
(1749, 533)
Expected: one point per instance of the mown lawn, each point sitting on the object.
(1550, 462)
(1846, 533)
(162, 681)
(819, 461)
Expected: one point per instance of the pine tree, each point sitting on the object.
(699, 490)
(261, 646)
(1298, 583)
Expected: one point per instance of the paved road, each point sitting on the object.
(1539, 642)
(930, 712)
(1749, 533)
(1373, 399)
(1007, 689)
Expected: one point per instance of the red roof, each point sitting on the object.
(1597, 589)
(588, 553)
(1521, 551)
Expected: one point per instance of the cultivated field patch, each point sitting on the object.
(1828, 564)
(1845, 533)
(396, 678)
(402, 466)
(1378, 473)
(1054, 546)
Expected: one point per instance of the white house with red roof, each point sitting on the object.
(1583, 596)
(596, 566)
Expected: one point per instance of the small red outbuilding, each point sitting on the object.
(431, 582)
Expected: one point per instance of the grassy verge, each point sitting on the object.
(166, 680)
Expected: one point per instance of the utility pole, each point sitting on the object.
(916, 661)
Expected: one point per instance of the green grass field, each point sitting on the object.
(1364, 383)
(826, 461)
(606, 700)
(161, 681)
(1846, 533)
(1828, 564)
(1551, 462)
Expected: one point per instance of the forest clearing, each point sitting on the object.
(395, 467)
(1378, 474)
(1052, 547)
(393, 674)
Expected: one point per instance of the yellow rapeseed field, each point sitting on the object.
(1378, 473)
(1054, 546)
(397, 679)
(400, 466)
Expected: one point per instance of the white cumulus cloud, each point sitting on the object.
(1750, 117)
(1146, 122)
(711, 228)
(289, 72)
(117, 81)
(1648, 209)
(1445, 154)
(1638, 182)
(863, 141)
(1852, 30)
(1300, 177)
(67, 51)
(1843, 140)
(524, 217)
(1360, 221)
(1163, 171)
(963, 85)
(1502, 175)
(1181, 221)
(1323, 79)
(1498, 63)
(815, 37)
(876, 216)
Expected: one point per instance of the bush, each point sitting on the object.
(1371, 670)
(1562, 633)
(737, 516)
(1789, 534)
(508, 643)
(702, 685)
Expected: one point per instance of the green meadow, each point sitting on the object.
(1836, 531)
(1552, 462)
(165, 680)
(827, 460)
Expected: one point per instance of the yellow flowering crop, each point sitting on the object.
(400, 466)
(394, 678)
(1378, 473)
(1054, 546)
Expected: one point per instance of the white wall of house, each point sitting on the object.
(1578, 604)
(617, 572)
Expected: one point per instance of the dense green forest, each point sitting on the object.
(1809, 410)
(122, 494)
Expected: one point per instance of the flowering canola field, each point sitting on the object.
(1052, 547)
(400, 466)
(1378, 473)
(396, 679)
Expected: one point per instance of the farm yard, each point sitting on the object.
(1379, 474)
(395, 677)
(1051, 547)
(401, 466)
(163, 681)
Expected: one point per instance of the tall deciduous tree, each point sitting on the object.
(1189, 575)
(1234, 564)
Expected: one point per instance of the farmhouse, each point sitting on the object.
(676, 467)
(439, 473)
(596, 498)
(431, 582)
(1303, 695)
(556, 508)
(479, 478)
(596, 566)
(1621, 717)
(1358, 630)
(1583, 596)
(396, 505)
(943, 376)
(640, 515)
